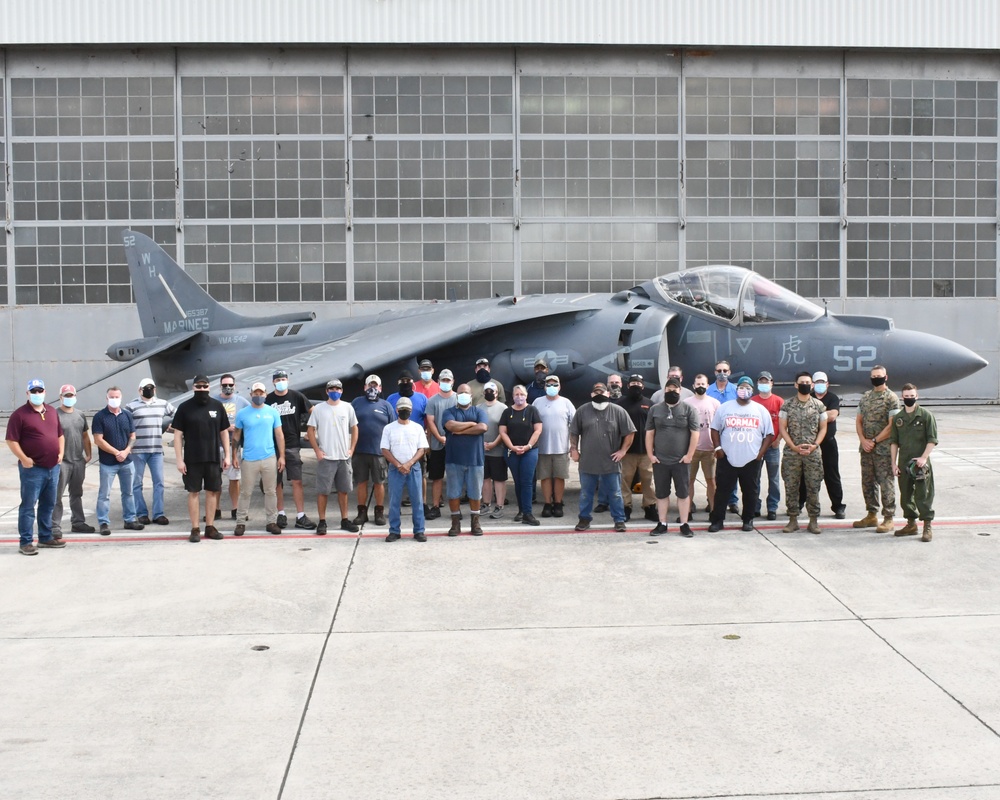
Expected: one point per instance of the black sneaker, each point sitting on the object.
(321, 528)
(82, 527)
(432, 512)
(583, 524)
(232, 514)
(347, 525)
(419, 537)
(659, 530)
(732, 508)
(547, 510)
(840, 513)
(747, 526)
(392, 537)
(282, 521)
(529, 519)
(239, 530)
(686, 531)
(772, 515)
(518, 517)
(715, 527)
(133, 525)
(557, 509)
(405, 503)
(600, 508)
(105, 530)
(620, 527)
(161, 520)
(145, 520)
(305, 523)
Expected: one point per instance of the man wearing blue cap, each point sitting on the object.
(35, 436)
(741, 433)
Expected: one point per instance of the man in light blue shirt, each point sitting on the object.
(257, 424)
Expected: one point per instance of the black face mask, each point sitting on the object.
(406, 390)
(803, 388)
(599, 399)
(201, 396)
(148, 391)
(482, 375)
(909, 402)
(404, 413)
(540, 376)
(878, 381)
(489, 394)
(634, 392)
(700, 389)
(671, 398)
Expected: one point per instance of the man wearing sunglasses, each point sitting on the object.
(149, 412)
(35, 436)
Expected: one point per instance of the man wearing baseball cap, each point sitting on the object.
(263, 458)
(35, 437)
(403, 444)
(149, 412)
(436, 436)
(368, 464)
(293, 408)
(741, 433)
(333, 433)
(483, 376)
(76, 454)
(426, 386)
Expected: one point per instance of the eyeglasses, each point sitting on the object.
(201, 386)
(37, 391)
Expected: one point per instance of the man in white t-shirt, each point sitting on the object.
(403, 445)
(333, 433)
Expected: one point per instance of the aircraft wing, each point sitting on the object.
(165, 344)
(398, 339)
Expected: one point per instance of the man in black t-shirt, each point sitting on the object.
(293, 408)
(201, 425)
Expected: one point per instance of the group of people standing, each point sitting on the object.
(469, 440)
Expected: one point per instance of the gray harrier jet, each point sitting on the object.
(692, 319)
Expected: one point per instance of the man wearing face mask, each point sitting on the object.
(914, 437)
(333, 433)
(828, 448)
(599, 438)
(233, 403)
(741, 434)
(405, 389)
(723, 390)
(615, 393)
(464, 456)
(403, 445)
(200, 426)
(676, 373)
(293, 408)
(368, 463)
(873, 423)
(614, 386)
(114, 435)
(35, 437)
(495, 465)
(636, 462)
(483, 377)
(704, 455)
(671, 438)
(149, 412)
(74, 463)
(437, 436)
(537, 387)
(772, 458)
(802, 424)
(426, 386)
(260, 431)
(552, 469)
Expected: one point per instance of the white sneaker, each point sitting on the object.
(497, 512)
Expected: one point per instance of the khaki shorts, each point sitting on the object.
(706, 460)
(369, 467)
(553, 465)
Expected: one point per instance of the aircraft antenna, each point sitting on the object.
(826, 307)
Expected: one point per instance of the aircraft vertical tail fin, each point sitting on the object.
(170, 300)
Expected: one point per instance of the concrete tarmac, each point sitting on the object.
(529, 663)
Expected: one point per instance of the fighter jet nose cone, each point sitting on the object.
(928, 360)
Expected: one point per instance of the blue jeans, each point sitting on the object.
(124, 473)
(459, 476)
(155, 463)
(608, 485)
(414, 484)
(772, 461)
(522, 471)
(38, 485)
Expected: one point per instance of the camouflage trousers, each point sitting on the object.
(796, 468)
(916, 498)
(877, 480)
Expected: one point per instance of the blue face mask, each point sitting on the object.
(445, 386)
(37, 399)
(69, 402)
(426, 376)
(551, 391)
(280, 386)
(257, 399)
(334, 395)
(820, 388)
(764, 388)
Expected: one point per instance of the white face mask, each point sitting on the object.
(114, 402)
(464, 398)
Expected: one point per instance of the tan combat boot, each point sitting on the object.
(792, 526)
(813, 526)
(870, 521)
(928, 532)
(885, 526)
(909, 529)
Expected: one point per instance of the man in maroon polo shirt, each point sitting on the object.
(35, 436)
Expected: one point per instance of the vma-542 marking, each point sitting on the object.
(692, 318)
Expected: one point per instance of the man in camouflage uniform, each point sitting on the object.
(875, 411)
(913, 437)
(802, 424)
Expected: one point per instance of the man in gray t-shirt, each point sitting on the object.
(599, 437)
(74, 464)
(672, 432)
(436, 436)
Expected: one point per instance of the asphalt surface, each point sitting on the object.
(529, 663)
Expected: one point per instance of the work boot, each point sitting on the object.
(869, 521)
(792, 526)
(456, 525)
(813, 525)
(886, 525)
(476, 529)
(910, 529)
(928, 532)
(362, 516)
(380, 515)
